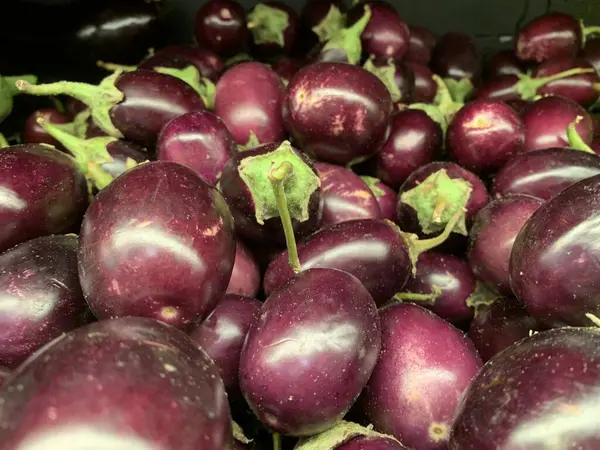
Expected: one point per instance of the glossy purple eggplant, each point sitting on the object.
(221, 27)
(320, 20)
(246, 277)
(371, 250)
(387, 35)
(43, 193)
(591, 53)
(546, 122)
(504, 62)
(248, 99)
(492, 236)
(161, 390)
(164, 252)
(544, 173)
(345, 195)
(40, 296)
(347, 435)
(198, 140)
(208, 63)
(287, 67)
(484, 135)
(385, 196)
(424, 366)
(537, 394)
(337, 112)
(552, 266)
(448, 281)
(222, 335)
(499, 325)
(500, 87)
(415, 140)
(549, 36)
(455, 56)
(274, 27)
(425, 88)
(420, 45)
(310, 353)
(33, 133)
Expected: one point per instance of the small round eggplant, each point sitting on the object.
(425, 86)
(161, 391)
(157, 242)
(198, 140)
(221, 27)
(424, 366)
(337, 112)
(274, 27)
(345, 195)
(385, 196)
(591, 53)
(245, 278)
(33, 133)
(492, 236)
(42, 192)
(552, 266)
(325, 322)
(540, 393)
(421, 44)
(40, 297)
(222, 335)
(504, 62)
(544, 173)
(455, 56)
(248, 99)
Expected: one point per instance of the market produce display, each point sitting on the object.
(313, 229)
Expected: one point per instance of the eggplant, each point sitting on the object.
(246, 277)
(221, 26)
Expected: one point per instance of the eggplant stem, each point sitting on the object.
(428, 299)
(423, 245)
(542, 81)
(3, 141)
(587, 31)
(276, 441)
(594, 319)
(575, 140)
(112, 67)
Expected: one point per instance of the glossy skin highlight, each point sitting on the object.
(166, 253)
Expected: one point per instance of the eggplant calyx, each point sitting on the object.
(191, 76)
(459, 90)
(433, 112)
(386, 74)
(482, 296)
(444, 100)
(3, 141)
(587, 31)
(575, 140)
(372, 183)
(112, 67)
(238, 434)
(253, 142)
(268, 24)
(338, 435)
(331, 24)
(348, 38)
(527, 87)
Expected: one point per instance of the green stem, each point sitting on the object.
(542, 81)
(276, 441)
(277, 176)
(428, 299)
(3, 141)
(575, 140)
(587, 31)
(111, 67)
(98, 175)
(12, 82)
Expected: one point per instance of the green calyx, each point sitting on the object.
(437, 199)
(444, 100)
(112, 67)
(348, 39)
(268, 24)
(253, 142)
(100, 99)
(433, 112)
(191, 75)
(238, 434)
(527, 87)
(482, 296)
(586, 32)
(575, 140)
(341, 433)
(333, 22)
(8, 90)
(3, 141)
(422, 299)
(240, 57)
(372, 183)
(459, 90)
(386, 74)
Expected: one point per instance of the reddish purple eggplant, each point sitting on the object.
(499, 325)
(42, 192)
(33, 133)
(157, 242)
(198, 140)
(538, 394)
(40, 296)
(415, 140)
(421, 44)
(350, 436)
(248, 99)
(504, 62)
(547, 120)
(118, 383)
(245, 277)
(552, 266)
(320, 20)
(385, 196)
(221, 27)
(492, 236)
(455, 56)
(591, 53)
(345, 195)
(246, 187)
(134, 105)
(544, 173)
(397, 76)
(274, 27)
(222, 335)
(287, 67)
(443, 284)
(425, 88)
(337, 112)
(208, 63)
(310, 352)
(424, 366)
(484, 135)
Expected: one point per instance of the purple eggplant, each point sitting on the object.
(274, 27)
(544, 173)
(208, 63)
(492, 236)
(484, 135)
(33, 133)
(443, 284)
(198, 140)
(221, 27)
(425, 88)
(397, 76)
(499, 325)
(222, 335)
(167, 276)
(337, 112)
(455, 56)
(591, 53)
(245, 185)
(40, 295)
(43, 192)
(246, 277)
(547, 120)
(424, 366)
(320, 20)
(310, 352)
(537, 394)
(552, 266)
(350, 436)
(385, 196)
(415, 140)
(504, 62)
(134, 105)
(248, 99)
(421, 44)
(287, 67)
(345, 195)
(118, 383)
